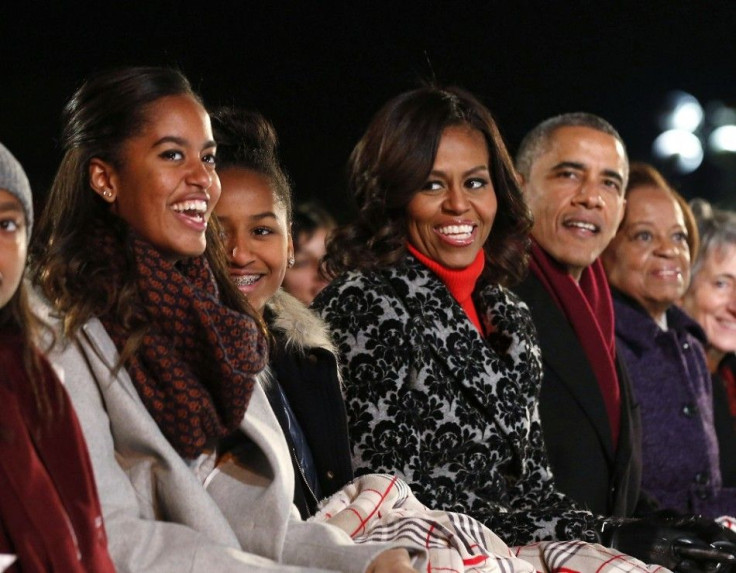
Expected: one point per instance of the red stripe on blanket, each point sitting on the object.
(429, 535)
(611, 560)
(365, 520)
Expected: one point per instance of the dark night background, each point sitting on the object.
(319, 71)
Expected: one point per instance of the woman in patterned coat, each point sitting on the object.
(440, 362)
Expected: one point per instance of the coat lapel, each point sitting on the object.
(106, 352)
(259, 481)
(629, 442)
(563, 354)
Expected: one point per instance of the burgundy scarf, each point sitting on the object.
(589, 308)
(195, 368)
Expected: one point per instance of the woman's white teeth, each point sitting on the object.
(727, 324)
(195, 207)
(245, 280)
(457, 231)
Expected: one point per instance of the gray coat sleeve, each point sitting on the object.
(139, 542)
(158, 515)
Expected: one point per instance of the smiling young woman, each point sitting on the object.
(159, 348)
(164, 183)
(302, 381)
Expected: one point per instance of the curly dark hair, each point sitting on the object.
(391, 163)
(103, 113)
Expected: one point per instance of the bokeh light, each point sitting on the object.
(723, 139)
(679, 147)
(683, 112)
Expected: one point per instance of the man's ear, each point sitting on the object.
(102, 179)
(520, 180)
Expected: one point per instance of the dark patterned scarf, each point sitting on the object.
(195, 367)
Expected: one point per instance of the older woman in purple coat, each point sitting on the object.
(648, 266)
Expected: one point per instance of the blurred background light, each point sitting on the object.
(682, 111)
(679, 147)
(719, 113)
(723, 139)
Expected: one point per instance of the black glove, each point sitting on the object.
(687, 544)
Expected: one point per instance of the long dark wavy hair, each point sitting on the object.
(392, 161)
(104, 112)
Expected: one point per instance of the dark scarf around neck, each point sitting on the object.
(588, 306)
(195, 368)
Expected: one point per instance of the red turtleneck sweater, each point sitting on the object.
(460, 282)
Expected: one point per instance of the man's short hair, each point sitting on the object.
(535, 142)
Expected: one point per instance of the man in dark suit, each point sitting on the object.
(574, 169)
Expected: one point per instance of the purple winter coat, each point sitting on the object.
(672, 385)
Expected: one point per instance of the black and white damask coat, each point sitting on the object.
(432, 401)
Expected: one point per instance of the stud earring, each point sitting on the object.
(290, 262)
(107, 193)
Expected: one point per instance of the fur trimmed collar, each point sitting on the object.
(302, 328)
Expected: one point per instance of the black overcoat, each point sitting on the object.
(577, 434)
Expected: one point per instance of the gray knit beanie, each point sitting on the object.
(13, 179)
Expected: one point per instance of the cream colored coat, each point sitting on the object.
(159, 517)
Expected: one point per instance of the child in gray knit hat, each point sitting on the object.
(13, 180)
(49, 510)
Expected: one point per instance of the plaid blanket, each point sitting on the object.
(727, 521)
(6, 560)
(381, 507)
